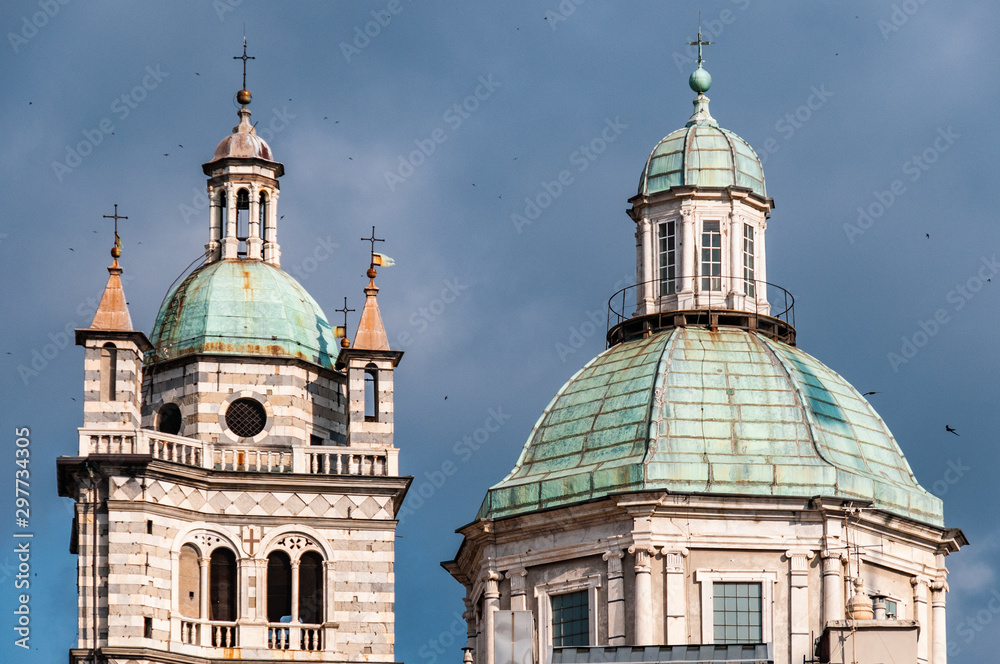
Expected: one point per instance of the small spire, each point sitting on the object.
(112, 312)
(244, 96)
(700, 81)
(371, 333)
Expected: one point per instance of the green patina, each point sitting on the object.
(724, 412)
(242, 307)
(702, 154)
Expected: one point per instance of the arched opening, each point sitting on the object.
(279, 587)
(168, 419)
(189, 582)
(222, 586)
(242, 220)
(371, 393)
(223, 214)
(109, 372)
(311, 588)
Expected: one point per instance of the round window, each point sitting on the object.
(246, 417)
(169, 419)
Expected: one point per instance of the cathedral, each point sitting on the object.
(701, 491)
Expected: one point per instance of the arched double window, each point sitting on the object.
(295, 593)
(218, 574)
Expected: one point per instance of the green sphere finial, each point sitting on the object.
(700, 80)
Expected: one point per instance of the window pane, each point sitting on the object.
(570, 619)
(736, 613)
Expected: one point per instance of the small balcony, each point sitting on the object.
(315, 460)
(258, 641)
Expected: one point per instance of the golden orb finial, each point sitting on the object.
(345, 343)
(244, 97)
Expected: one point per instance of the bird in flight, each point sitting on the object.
(927, 235)
(867, 394)
(950, 430)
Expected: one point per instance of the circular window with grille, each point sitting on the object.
(246, 417)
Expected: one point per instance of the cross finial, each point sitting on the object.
(373, 240)
(117, 251)
(246, 57)
(700, 41)
(344, 311)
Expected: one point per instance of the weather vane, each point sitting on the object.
(341, 331)
(344, 311)
(117, 250)
(246, 57)
(700, 41)
(373, 240)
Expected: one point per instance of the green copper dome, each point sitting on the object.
(705, 155)
(688, 410)
(242, 307)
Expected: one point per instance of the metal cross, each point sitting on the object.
(344, 311)
(246, 57)
(373, 240)
(116, 217)
(700, 41)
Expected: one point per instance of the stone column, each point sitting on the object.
(735, 270)
(203, 568)
(470, 627)
(650, 290)
(643, 596)
(689, 249)
(295, 591)
(833, 586)
(255, 232)
(920, 587)
(491, 595)
(616, 598)
(676, 598)
(272, 253)
(939, 633)
(230, 244)
(518, 599)
(798, 564)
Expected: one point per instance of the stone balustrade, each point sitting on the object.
(311, 460)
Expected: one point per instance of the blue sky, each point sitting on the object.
(493, 313)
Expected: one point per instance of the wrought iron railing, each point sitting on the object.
(657, 302)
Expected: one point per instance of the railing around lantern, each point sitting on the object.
(751, 304)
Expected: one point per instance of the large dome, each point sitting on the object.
(243, 307)
(690, 410)
(702, 154)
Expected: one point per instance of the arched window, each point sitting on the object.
(109, 372)
(222, 586)
(223, 213)
(242, 219)
(311, 588)
(371, 393)
(279, 587)
(189, 582)
(168, 420)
